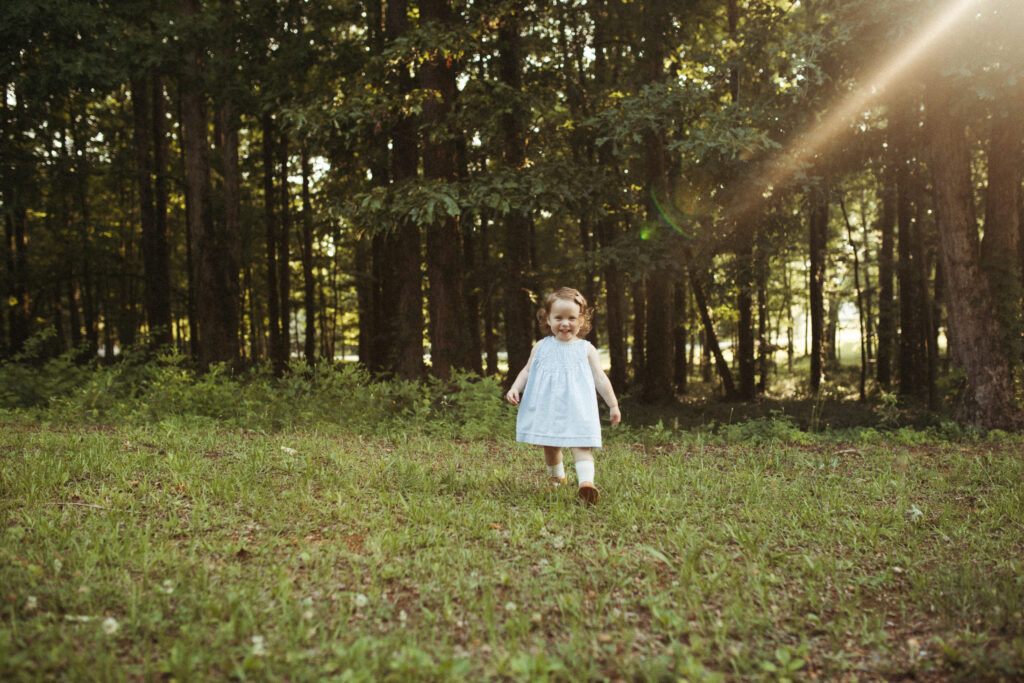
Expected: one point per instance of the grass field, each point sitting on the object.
(196, 552)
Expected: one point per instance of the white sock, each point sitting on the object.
(585, 471)
(556, 471)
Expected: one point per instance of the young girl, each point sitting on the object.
(559, 408)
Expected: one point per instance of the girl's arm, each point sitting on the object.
(603, 384)
(516, 392)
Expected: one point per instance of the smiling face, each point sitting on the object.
(564, 319)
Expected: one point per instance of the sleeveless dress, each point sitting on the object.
(559, 403)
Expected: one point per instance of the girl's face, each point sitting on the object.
(564, 319)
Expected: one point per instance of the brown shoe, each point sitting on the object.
(588, 493)
(556, 482)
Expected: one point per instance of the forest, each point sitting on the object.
(400, 183)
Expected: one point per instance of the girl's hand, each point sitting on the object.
(616, 416)
(513, 396)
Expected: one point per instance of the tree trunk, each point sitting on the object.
(308, 278)
(141, 134)
(284, 262)
(1001, 243)
(639, 301)
(448, 340)
(408, 254)
(270, 226)
(818, 241)
(711, 337)
(764, 353)
(229, 248)
(156, 246)
(681, 298)
(912, 361)
(886, 308)
(987, 400)
(860, 302)
(520, 325)
(655, 372)
(213, 251)
(15, 220)
(490, 338)
(745, 325)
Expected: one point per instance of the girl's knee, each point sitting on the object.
(582, 455)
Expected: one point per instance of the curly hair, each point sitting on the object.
(566, 294)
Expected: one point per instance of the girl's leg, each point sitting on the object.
(582, 455)
(556, 471)
(584, 459)
(553, 455)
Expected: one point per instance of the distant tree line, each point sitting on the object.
(273, 179)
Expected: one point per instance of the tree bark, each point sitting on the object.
(764, 353)
(408, 250)
(639, 300)
(270, 231)
(229, 249)
(680, 332)
(912, 361)
(141, 135)
(1001, 243)
(655, 371)
(448, 340)
(158, 261)
(886, 308)
(216, 271)
(308, 276)
(284, 262)
(519, 319)
(818, 240)
(745, 325)
(614, 307)
(15, 220)
(987, 400)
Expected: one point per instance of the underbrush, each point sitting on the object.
(342, 396)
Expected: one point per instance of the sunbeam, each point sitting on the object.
(837, 120)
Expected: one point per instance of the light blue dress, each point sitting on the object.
(559, 403)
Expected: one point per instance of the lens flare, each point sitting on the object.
(683, 207)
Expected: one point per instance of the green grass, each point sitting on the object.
(216, 552)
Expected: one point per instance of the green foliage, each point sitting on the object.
(777, 428)
(27, 380)
(342, 396)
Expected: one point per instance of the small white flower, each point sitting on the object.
(913, 513)
(31, 604)
(307, 615)
(558, 542)
(168, 586)
(361, 600)
(510, 606)
(110, 626)
(289, 451)
(403, 616)
(259, 646)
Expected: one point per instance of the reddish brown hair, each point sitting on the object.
(566, 294)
